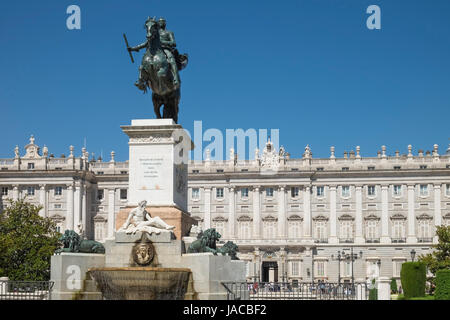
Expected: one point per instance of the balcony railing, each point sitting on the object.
(373, 240)
(346, 240)
(398, 240)
(424, 240)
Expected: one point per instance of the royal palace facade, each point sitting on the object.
(293, 219)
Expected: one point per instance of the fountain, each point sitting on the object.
(145, 256)
(141, 283)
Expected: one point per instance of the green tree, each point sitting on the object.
(27, 241)
(394, 288)
(439, 259)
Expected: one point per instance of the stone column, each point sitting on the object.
(307, 212)
(359, 238)
(256, 213)
(111, 213)
(232, 215)
(42, 200)
(77, 207)
(207, 217)
(437, 208)
(15, 193)
(84, 211)
(384, 215)
(282, 212)
(69, 215)
(411, 215)
(333, 216)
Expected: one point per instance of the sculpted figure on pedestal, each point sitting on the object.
(140, 220)
(159, 68)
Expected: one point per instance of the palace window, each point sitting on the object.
(397, 190)
(100, 173)
(269, 192)
(447, 189)
(398, 229)
(123, 194)
(244, 193)
(30, 191)
(320, 191)
(423, 167)
(57, 206)
(99, 230)
(245, 229)
(372, 229)
(195, 193)
(58, 191)
(320, 267)
(346, 229)
(294, 229)
(294, 192)
(4, 191)
(270, 229)
(345, 168)
(347, 269)
(100, 194)
(424, 190)
(219, 193)
(397, 167)
(424, 229)
(370, 168)
(320, 169)
(371, 190)
(345, 191)
(320, 229)
(30, 166)
(295, 268)
(219, 170)
(195, 171)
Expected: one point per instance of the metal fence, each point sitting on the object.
(295, 291)
(25, 290)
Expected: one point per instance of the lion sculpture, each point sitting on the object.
(72, 242)
(206, 242)
(231, 249)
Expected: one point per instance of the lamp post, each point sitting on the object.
(413, 254)
(338, 258)
(352, 257)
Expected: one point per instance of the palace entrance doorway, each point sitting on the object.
(269, 271)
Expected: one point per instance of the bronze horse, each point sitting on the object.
(155, 73)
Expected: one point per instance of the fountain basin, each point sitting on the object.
(141, 283)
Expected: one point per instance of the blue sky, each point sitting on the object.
(309, 68)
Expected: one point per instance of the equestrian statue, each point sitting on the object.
(159, 68)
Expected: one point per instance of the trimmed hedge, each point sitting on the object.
(373, 294)
(442, 285)
(413, 277)
(394, 288)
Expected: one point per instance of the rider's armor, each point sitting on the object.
(168, 44)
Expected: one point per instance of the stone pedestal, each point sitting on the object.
(384, 288)
(158, 161)
(209, 271)
(68, 271)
